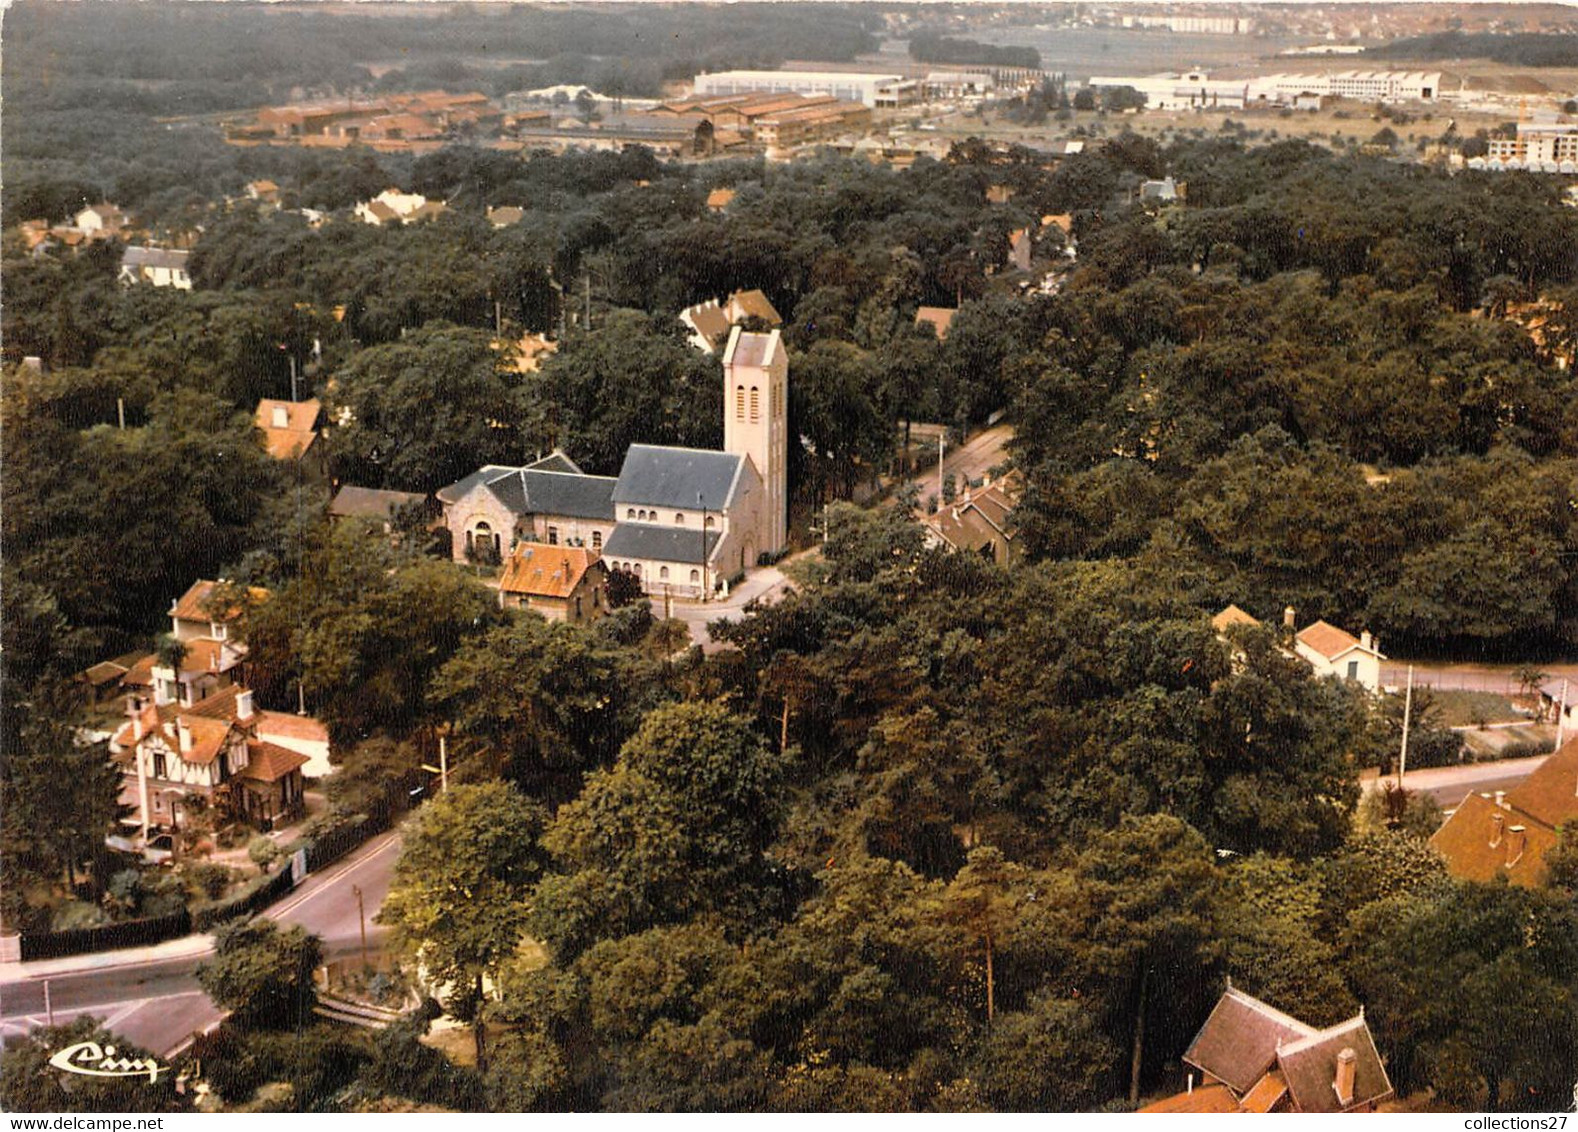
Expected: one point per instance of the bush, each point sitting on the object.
(208, 881)
(1526, 748)
(263, 852)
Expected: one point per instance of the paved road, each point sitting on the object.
(1498, 678)
(767, 584)
(972, 460)
(151, 996)
(1449, 785)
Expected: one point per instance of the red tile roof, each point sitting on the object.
(1207, 1098)
(1232, 615)
(939, 318)
(1328, 640)
(193, 604)
(1482, 840)
(269, 763)
(536, 570)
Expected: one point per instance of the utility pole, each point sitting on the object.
(49, 1010)
(1408, 707)
(942, 441)
(443, 765)
(361, 915)
(1561, 717)
(588, 278)
(702, 503)
(120, 411)
(293, 377)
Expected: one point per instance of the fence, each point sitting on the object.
(322, 850)
(330, 846)
(252, 899)
(106, 937)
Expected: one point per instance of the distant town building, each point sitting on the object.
(979, 522)
(394, 206)
(161, 267)
(1538, 147)
(709, 322)
(852, 86)
(1193, 25)
(289, 427)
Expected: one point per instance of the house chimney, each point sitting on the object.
(281, 417)
(1501, 799)
(1498, 823)
(1347, 1064)
(244, 704)
(1287, 618)
(1364, 639)
(1516, 839)
(185, 734)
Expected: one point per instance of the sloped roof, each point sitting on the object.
(663, 544)
(267, 762)
(1232, 615)
(155, 257)
(103, 673)
(287, 725)
(556, 461)
(1310, 1066)
(1469, 841)
(538, 570)
(709, 320)
(940, 318)
(192, 605)
(1328, 640)
(371, 502)
(720, 198)
(675, 477)
(535, 491)
(1269, 1090)
(1238, 1042)
(754, 304)
(290, 441)
(1550, 794)
(1206, 1098)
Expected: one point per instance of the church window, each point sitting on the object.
(553, 536)
(756, 408)
(739, 402)
(663, 573)
(679, 518)
(630, 513)
(597, 540)
(695, 577)
(710, 522)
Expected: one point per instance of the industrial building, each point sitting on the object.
(850, 86)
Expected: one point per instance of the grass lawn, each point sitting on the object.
(1465, 709)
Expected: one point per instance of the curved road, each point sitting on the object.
(150, 995)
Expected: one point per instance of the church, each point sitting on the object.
(682, 520)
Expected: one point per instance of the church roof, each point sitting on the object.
(751, 348)
(528, 491)
(662, 544)
(676, 477)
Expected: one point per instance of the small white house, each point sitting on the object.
(163, 267)
(1333, 652)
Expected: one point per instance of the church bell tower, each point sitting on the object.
(756, 423)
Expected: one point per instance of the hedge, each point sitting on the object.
(105, 937)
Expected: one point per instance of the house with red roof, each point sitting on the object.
(1506, 833)
(210, 753)
(563, 583)
(1251, 1057)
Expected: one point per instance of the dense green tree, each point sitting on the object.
(458, 903)
(263, 973)
(28, 1083)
